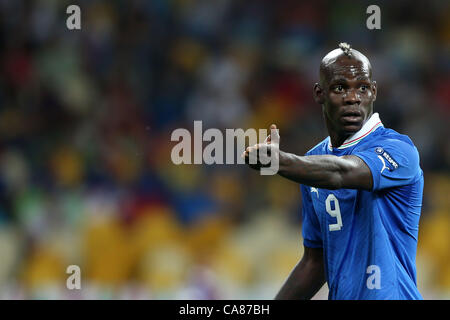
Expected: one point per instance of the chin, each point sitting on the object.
(353, 128)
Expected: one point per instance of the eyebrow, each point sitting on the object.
(342, 79)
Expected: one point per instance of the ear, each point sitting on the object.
(318, 94)
(374, 90)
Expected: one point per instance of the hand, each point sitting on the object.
(261, 154)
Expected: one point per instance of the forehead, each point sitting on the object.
(337, 65)
(347, 69)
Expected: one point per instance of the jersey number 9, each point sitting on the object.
(334, 212)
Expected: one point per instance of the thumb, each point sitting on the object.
(274, 134)
(269, 138)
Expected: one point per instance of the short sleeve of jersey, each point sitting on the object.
(312, 237)
(392, 162)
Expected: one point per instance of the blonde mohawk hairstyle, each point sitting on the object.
(344, 46)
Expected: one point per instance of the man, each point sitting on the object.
(362, 192)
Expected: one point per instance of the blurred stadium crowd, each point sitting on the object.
(85, 124)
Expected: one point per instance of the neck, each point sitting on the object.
(337, 139)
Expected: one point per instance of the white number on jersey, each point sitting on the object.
(335, 212)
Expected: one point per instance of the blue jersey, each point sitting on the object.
(369, 238)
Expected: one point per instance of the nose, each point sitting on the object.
(352, 97)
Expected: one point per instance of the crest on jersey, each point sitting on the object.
(390, 163)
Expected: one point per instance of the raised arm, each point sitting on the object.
(321, 171)
(326, 171)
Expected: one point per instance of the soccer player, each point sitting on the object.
(362, 192)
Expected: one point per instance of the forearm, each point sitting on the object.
(303, 282)
(322, 171)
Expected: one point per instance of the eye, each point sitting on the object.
(339, 88)
(364, 88)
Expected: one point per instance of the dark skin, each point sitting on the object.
(346, 92)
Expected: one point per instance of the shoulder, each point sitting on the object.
(392, 136)
(320, 148)
(392, 145)
(388, 138)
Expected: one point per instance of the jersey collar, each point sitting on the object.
(370, 126)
